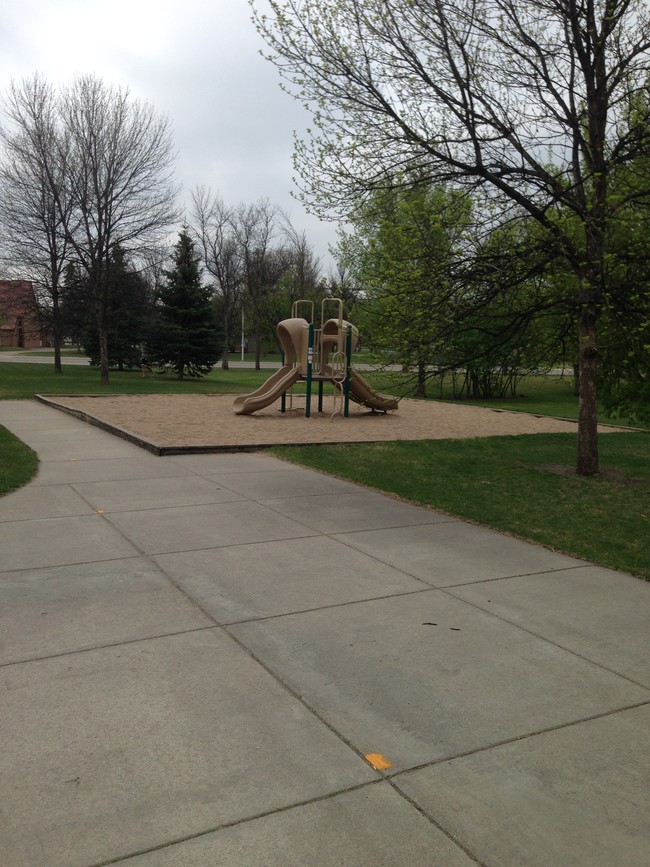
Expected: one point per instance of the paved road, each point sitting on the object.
(19, 357)
(227, 660)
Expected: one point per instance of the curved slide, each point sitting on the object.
(362, 393)
(266, 394)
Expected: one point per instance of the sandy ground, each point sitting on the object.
(208, 422)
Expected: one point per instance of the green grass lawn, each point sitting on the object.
(540, 395)
(523, 485)
(18, 463)
(544, 395)
(18, 381)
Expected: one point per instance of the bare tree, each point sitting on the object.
(341, 284)
(533, 104)
(212, 225)
(153, 262)
(256, 226)
(120, 178)
(305, 268)
(35, 205)
(84, 172)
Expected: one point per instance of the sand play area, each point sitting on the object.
(165, 424)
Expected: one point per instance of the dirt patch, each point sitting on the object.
(172, 422)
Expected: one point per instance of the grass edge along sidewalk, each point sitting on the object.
(521, 485)
(18, 463)
(605, 520)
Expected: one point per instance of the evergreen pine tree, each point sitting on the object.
(128, 312)
(75, 312)
(185, 335)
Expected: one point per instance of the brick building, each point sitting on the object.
(19, 321)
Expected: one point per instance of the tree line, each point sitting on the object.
(87, 204)
(478, 306)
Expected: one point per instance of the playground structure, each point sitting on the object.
(316, 356)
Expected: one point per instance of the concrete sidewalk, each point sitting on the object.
(198, 654)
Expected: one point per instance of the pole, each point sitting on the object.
(243, 334)
(310, 361)
(348, 365)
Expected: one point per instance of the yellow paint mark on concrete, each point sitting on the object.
(378, 762)
(100, 511)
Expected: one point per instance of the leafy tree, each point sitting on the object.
(403, 253)
(185, 333)
(533, 104)
(130, 307)
(625, 342)
(443, 297)
(512, 316)
(75, 313)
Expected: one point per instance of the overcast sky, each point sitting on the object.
(197, 61)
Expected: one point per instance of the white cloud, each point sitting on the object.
(197, 61)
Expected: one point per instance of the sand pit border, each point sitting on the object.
(192, 423)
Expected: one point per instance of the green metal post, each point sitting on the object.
(310, 361)
(348, 364)
(283, 399)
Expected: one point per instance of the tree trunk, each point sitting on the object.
(226, 344)
(103, 352)
(258, 343)
(476, 387)
(588, 313)
(56, 333)
(421, 388)
(587, 456)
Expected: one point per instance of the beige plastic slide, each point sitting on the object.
(361, 392)
(266, 394)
